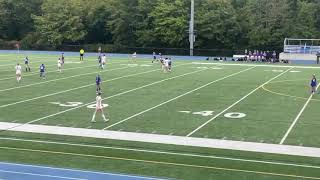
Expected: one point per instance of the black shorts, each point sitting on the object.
(81, 55)
(154, 57)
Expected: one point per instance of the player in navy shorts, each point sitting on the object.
(42, 71)
(98, 83)
(313, 84)
(26, 62)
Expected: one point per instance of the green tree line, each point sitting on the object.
(219, 24)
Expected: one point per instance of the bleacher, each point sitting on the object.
(300, 50)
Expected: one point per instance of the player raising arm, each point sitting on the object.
(99, 108)
(18, 72)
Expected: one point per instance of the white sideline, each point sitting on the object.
(297, 118)
(165, 139)
(68, 90)
(115, 95)
(53, 80)
(258, 65)
(41, 175)
(244, 97)
(177, 97)
(78, 170)
(159, 152)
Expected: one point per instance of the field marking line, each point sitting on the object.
(286, 95)
(232, 105)
(164, 152)
(68, 77)
(177, 97)
(112, 96)
(80, 87)
(297, 117)
(54, 71)
(258, 65)
(25, 74)
(157, 162)
(76, 170)
(41, 175)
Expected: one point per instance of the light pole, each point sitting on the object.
(191, 28)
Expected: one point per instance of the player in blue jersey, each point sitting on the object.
(98, 83)
(313, 84)
(42, 71)
(26, 62)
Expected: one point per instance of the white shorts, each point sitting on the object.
(98, 108)
(59, 65)
(18, 72)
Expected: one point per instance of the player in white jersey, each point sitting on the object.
(99, 108)
(18, 72)
(60, 65)
(103, 61)
(134, 56)
(166, 65)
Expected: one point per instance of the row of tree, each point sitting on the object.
(220, 24)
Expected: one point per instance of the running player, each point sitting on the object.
(81, 54)
(60, 65)
(62, 59)
(169, 64)
(99, 108)
(154, 57)
(134, 56)
(165, 66)
(103, 61)
(42, 71)
(98, 83)
(26, 62)
(99, 61)
(313, 84)
(18, 72)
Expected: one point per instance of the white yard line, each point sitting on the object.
(53, 80)
(115, 95)
(297, 118)
(77, 88)
(166, 139)
(177, 97)
(244, 97)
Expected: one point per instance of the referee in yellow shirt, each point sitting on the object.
(81, 54)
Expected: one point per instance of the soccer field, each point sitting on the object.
(194, 123)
